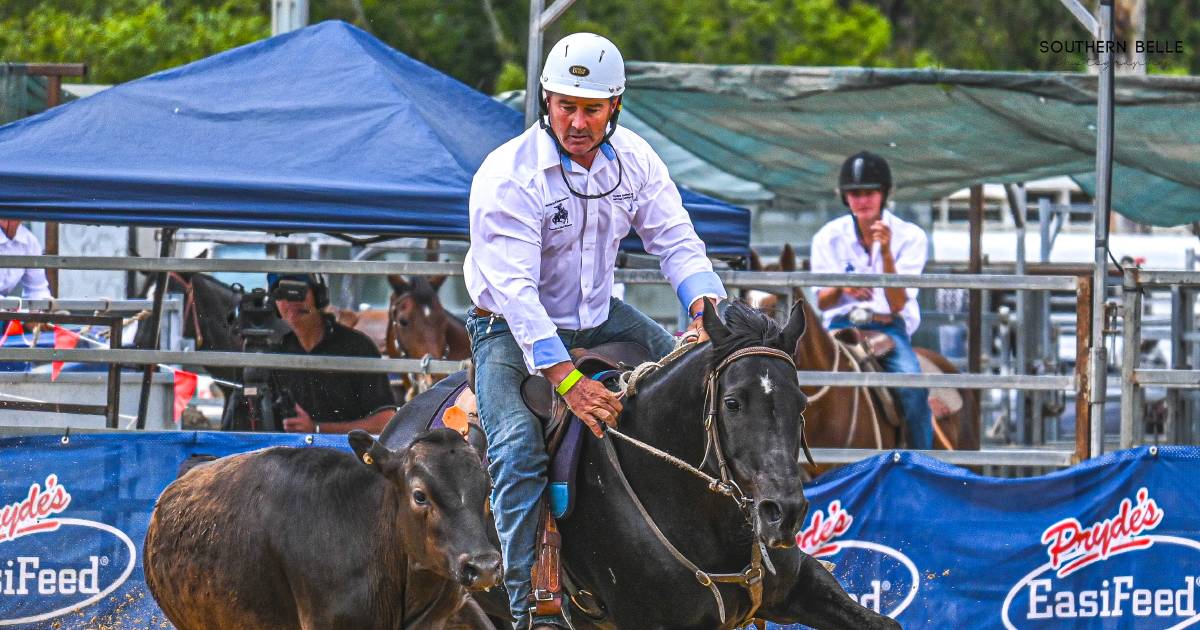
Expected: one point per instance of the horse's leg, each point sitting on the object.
(804, 591)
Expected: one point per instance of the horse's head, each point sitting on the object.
(758, 413)
(766, 301)
(417, 321)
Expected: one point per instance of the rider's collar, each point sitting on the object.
(571, 166)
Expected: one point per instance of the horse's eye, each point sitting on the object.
(420, 498)
(732, 404)
(402, 321)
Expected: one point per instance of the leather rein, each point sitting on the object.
(189, 305)
(751, 577)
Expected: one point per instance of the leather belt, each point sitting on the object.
(479, 312)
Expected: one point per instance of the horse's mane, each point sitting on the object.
(748, 327)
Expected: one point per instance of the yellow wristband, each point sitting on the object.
(569, 382)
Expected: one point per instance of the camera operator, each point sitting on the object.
(325, 402)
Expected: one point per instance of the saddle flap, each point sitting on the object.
(944, 402)
(878, 344)
(538, 396)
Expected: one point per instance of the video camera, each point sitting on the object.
(253, 318)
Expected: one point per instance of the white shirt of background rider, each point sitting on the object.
(33, 281)
(836, 249)
(544, 258)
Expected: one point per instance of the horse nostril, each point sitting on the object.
(770, 511)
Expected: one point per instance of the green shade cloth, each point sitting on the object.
(789, 128)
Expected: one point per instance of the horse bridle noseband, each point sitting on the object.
(751, 577)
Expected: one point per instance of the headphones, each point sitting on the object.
(315, 281)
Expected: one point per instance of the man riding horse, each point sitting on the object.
(547, 212)
(870, 239)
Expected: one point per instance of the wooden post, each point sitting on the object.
(54, 72)
(1083, 403)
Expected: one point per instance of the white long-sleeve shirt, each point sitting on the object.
(543, 258)
(32, 281)
(836, 249)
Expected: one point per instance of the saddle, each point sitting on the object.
(868, 347)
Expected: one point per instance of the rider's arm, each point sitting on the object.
(666, 231)
(373, 423)
(823, 260)
(506, 246)
(906, 256)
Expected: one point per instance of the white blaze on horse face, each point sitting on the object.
(768, 386)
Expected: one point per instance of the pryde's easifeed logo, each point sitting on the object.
(1092, 576)
(51, 565)
(876, 576)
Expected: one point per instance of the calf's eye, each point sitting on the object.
(420, 498)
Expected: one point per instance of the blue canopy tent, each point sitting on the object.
(324, 129)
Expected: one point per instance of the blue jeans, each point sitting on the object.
(914, 401)
(516, 446)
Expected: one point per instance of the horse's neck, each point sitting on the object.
(817, 349)
(668, 413)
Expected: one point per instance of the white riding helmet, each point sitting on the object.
(584, 65)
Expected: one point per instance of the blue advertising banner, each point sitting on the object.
(1111, 543)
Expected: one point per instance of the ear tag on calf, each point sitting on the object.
(367, 459)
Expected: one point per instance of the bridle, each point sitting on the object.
(189, 305)
(751, 577)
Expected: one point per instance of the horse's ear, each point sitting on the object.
(399, 284)
(713, 325)
(436, 282)
(755, 261)
(203, 254)
(368, 450)
(787, 258)
(794, 329)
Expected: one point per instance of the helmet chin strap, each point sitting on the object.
(611, 127)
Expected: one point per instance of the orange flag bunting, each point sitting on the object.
(63, 340)
(185, 388)
(13, 328)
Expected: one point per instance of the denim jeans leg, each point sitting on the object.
(914, 400)
(516, 450)
(626, 323)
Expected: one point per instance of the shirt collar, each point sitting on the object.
(549, 155)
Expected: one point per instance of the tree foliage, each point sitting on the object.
(127, 39)
(483, 42)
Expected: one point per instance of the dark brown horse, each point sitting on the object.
(849, 417)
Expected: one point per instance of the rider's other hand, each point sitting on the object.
(862, 294)
(697, 326)
(300, 423)
(593, 403)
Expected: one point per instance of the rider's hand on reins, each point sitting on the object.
(594, 404)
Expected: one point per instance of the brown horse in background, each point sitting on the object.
(414, 326)
(849, 417)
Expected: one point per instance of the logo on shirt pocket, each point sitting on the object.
(560, 218)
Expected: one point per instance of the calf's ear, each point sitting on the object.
(368, 450)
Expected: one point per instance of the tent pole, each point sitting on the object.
(975, 301)
(533, 60)
(539, 21)
(154, 323)
(1103, 207)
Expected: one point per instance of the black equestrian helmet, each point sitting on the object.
(865, 171)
